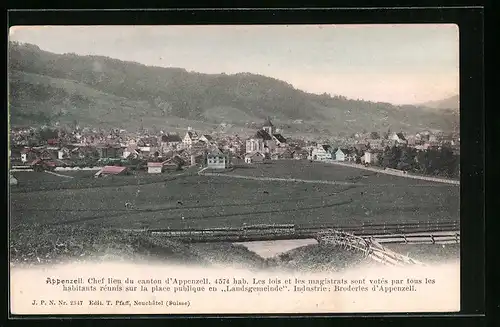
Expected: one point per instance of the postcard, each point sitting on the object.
(234, 169)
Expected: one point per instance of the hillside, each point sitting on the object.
(100, 91)
(452, 102)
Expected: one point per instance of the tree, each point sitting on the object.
(380, 158)
(407, 159)
(47, 134)
(391, 157)
(448, 161)
(375, 135)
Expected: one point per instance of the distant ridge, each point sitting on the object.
(104, 92)
(452, 102)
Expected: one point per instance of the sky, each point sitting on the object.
(400, 64)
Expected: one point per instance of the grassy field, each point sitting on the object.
(304, 169)
(317, 258)
(428, 253)
(42, 244)
(191, 201)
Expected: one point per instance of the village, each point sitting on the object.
(119, 152)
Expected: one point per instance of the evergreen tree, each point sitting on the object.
(407, 159)
(447, 161)
(391, 157)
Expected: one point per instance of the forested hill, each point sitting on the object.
(451, 103)
(94, 90)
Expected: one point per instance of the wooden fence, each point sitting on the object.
(396, 233)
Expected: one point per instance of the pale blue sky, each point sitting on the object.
(389, 63)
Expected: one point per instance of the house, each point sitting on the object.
(40, 164)
(131, 152)
(148, 151)
(300, 154)
(198, 146)
(207, 139)
(48, 153)
(111, 170)
(369, 157)
(82, 152)
(155, 167)
(398, 138)
(63, 153)
(53, 142)
(190, 138)
(217, 159)
(196, 159)
(15, 153)
(344, 155)
(321, 152)
(28, 155)
(279, 140)
(255, 157)
(275, 156)
(284, 153)
(109, 151)
(148, 142)
(169, 141)
(237, 160)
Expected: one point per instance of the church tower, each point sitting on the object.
(268, 127)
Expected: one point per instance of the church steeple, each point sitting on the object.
(268, 126)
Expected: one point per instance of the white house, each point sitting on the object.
(63, 153)
(155, 167)
(27, 154)
(190, 138)
(321, 152)
(217, 159)
(147, 151)
(369, 157)
(344, 155)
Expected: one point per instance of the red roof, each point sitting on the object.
(44, 162)
(113, 170)
(52, 141)
(155, 164)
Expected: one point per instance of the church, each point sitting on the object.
(265, 140)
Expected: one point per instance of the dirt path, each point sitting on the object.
(394, 173)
